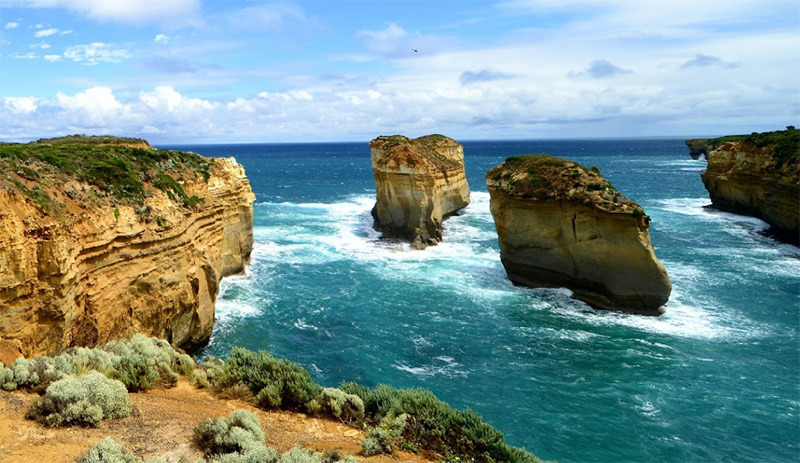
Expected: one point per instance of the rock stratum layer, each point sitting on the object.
(89, 252)
(759, 175)
(419, 183)
(561, 225)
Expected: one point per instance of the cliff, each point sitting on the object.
(562, 225)
(105, 237)
(759, 175)
(419, 183)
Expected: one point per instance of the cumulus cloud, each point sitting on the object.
(170, 13)
(52, 58)
(161, 38)
(703, 61)
(485, 75)
(11, 25)
(45, 32)
(96, 53)
(599, 69)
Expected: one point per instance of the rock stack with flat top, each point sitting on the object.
(562, 225)
(419, 184)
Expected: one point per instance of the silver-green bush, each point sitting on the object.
(107, 450)
(348, 408)
(239, 434)
(84, 400)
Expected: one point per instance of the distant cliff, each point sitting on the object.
(759, 175)
(105, 237)
(562, 225)
(419, 183)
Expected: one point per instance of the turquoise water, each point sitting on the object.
(716, 378)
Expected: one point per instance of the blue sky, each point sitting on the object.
(197, 71)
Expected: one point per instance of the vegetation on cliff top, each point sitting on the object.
(784, 144)
(427, 147)
(547, 178)
(412, 419)
(119, 167)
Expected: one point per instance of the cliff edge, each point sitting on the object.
(759, 175)
(419, 183)
(105, 237)
(562, 225)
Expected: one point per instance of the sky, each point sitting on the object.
(241, 71)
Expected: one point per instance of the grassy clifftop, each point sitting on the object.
(118, 167)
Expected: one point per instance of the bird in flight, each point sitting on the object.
(415, 50)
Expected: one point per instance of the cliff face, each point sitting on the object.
(419, 183)
(561, 225)
(79, 266)
(701, 147)
(759, 176)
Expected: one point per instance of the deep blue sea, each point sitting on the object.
(716, 378)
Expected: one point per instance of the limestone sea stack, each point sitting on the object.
(419, 184)
(562, 225)
(759, 175)
(102, 237)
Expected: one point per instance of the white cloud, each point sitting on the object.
(11, 25)
(161, 38)
(52, 58)
(393, 41)
(40, 45)
(96, 53)
(21, 105)
(169, 13)
(45, 32)
(29, 55)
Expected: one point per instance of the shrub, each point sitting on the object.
(238, 433)
(348, 408)
(385, 437)
(83, 400)
(107, 450)
(135, 372)
(287, 380)
(432, 425)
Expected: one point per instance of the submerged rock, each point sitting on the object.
(102, 239)
(758, 175)
(419, 183)
(562, 225)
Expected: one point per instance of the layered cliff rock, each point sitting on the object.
(759, 175)
(562, 225)
(103, 238)
(419, 183)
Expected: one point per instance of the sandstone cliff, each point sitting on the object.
(701, 147)
(561, 225)
(102, 239)
(419, 183)
(759, 175)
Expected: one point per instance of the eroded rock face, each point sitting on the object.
(419, 183)
(99, 269)
(759, 176)
(561, 225)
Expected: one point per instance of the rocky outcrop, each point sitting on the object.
(759, 176)
(79, 266)
(561, 225)
(701, 147)
(419, 183)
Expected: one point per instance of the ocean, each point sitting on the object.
(716, 378)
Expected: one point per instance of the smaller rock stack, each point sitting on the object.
(419, 183)
(562, 225)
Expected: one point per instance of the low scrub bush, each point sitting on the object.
(135, 372)
(431, 424)
(290, 385)
(237, 438)
(347, 408)
(385, 437)
(82, 400)
(110, 450)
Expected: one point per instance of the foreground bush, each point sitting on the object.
(139, 362)
(83, 400)
(110, 450)
(276, 383)
(432, 425)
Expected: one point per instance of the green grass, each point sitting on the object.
(111, 164)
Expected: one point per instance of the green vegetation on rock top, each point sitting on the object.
(119, 166)
(547, 178)
(785, 143)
